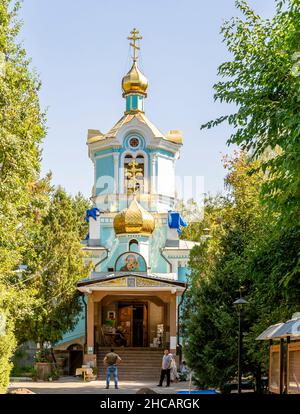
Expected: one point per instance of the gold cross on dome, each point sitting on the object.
(134, 37)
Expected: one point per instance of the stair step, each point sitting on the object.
(137, 363)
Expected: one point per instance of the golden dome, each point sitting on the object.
(134, 219)
(134, 81)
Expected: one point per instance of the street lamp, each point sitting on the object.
(239, 304)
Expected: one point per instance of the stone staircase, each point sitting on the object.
(138, 364)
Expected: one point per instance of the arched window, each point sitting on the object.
(134, 246)
(134, 174)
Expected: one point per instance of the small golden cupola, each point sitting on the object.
(134, 83)
(134, 219)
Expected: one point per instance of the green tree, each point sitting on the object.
(244, 253)
(39, 227)
(21, 132)
(256, 244)
(192, 215)
(198, 222)
(263, 80)
(54, 269)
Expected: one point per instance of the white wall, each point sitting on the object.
(144, 250)
(94, 228)
(165, 176)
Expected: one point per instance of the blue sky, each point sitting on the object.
(80, 50)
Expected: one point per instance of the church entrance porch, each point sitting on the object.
(135, 311)
(135, 321)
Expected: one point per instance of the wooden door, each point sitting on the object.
(138, 325)
(145, 325)
(125, 320)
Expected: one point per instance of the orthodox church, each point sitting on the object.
(134, 292)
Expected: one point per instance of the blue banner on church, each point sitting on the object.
(93, 212)
(175, 221)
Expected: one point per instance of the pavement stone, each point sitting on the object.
(71, 385)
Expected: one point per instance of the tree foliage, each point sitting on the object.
(40, 227)
(254, 240)
(244, 254)
(263, 80)
(21, 132)
(54, 268)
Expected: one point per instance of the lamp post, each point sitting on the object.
(239, 304)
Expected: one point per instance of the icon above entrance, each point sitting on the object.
(130, 262)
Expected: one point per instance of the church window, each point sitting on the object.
(134, 142)
(133, 246)
(134, 174)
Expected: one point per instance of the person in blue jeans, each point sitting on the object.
(111, 360)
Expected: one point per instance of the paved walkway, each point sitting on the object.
(71, 385)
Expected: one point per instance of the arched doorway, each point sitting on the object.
(75, 357)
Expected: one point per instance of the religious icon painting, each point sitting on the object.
(130, 262)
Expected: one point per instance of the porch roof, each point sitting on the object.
(151, 282)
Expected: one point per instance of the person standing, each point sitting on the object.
(120, 337)
(173, 370)
(111, 360)
(165, 368)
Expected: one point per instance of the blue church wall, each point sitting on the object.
(106, 152)
(158, 240)
(109, 240)
(182, 273)
(104, 168)
(119, 246)
(107, 236)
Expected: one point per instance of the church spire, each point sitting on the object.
(134, 84)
